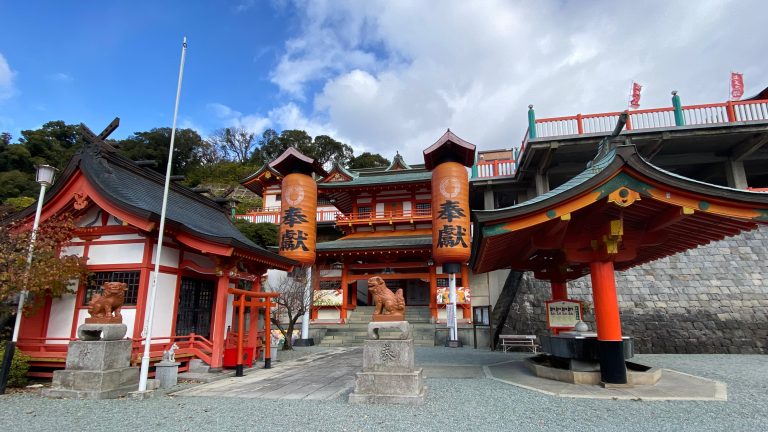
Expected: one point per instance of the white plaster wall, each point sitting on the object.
(129, 319)
(230, 302)
(363, 200)
(496, 281)
(120, 237)
(89, 216)
(270, 201)
(479, 285)
(60, 320)
(170, 256)
(128, 253)
(406, 207)
(165, 300)
(73, 250)
(379, 208)
(423, 196)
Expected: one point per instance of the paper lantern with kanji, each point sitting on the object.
(298, 222)
(450, 214)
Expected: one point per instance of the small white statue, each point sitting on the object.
(169, 355)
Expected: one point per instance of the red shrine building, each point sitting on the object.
(116, 205)
(376, 222)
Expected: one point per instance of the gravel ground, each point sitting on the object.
(480, 405)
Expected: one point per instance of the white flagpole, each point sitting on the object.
(150, 307)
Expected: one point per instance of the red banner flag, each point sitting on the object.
(737, 85)
(634, 97)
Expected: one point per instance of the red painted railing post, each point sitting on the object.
(628, 125)
(730, 112)
(579, 124)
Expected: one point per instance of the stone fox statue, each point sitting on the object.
(386, 302)
(109, 302)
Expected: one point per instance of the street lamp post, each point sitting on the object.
(44, 176)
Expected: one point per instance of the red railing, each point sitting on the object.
(496, 168)
(51, 352)
(408, 216)
(272, 215)
(725, 112)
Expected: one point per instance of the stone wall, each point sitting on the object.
(713, 299)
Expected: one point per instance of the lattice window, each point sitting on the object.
(96, 280)
(330, 284)
(423, 208)
(364, 211)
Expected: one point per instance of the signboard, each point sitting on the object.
(328, 297)
(563, 313)
(481, 315)
(451, 309)
(463, 296)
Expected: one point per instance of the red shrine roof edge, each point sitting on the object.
(293, 158)
(449, 143)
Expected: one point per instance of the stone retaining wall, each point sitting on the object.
(713, 299)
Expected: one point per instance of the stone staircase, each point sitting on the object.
(355, 330)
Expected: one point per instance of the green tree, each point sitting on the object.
(16, 184)
(322, 148)
(53, 144)
(327, 149)
(15, 204)
(223, 172)
(263, 234)
(368, 160)
(153, 145)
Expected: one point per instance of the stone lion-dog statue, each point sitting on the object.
(104, 308)
(388, 306)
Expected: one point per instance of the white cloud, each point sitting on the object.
(62, 77)
(232, 118)
(394, 75)
(7, 76)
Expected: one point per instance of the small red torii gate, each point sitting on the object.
(253, 300)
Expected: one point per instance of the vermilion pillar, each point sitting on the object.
(559, 291)
(219, 322)
(344, 294)
(613, 370)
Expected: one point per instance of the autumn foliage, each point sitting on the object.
(52, 271)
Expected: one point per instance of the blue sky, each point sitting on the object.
(91, 61)
(380, 75)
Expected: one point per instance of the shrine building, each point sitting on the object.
(374, 222)
(116, 207)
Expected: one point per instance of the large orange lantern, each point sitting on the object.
(450, 214)
(298, 222)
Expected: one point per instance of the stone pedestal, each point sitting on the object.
(95, 370)
(389, 375)
(167, 373)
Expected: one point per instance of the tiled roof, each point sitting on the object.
(139, 191)
(403, 176)
(402, 242)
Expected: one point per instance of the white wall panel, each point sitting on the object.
(165, 301)
(170, 256)
(129, 253)
(60, 320)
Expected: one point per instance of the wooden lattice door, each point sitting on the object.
(195, 307)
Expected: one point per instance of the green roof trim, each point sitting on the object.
(400, 242)
(393, 177)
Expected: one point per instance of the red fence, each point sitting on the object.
(726, 112)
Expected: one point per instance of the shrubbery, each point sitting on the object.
(19, 368)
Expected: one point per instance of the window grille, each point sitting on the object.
(96, 280)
